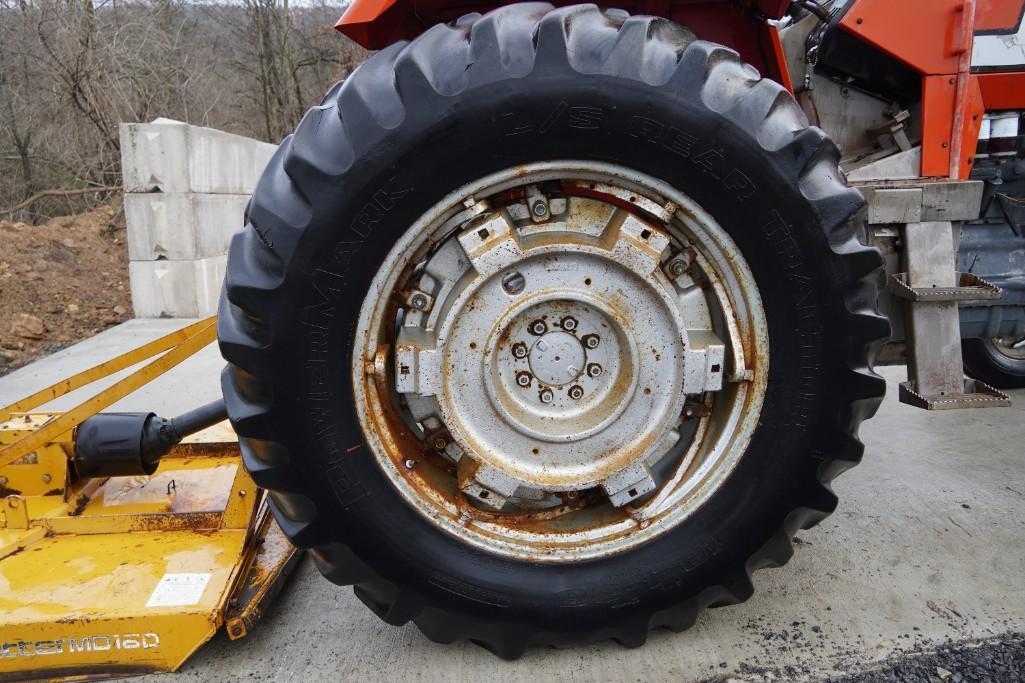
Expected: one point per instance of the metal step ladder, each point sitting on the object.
(930, 287)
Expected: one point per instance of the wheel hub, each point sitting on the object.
(559, 351)
(539, 421)
(557, 358)
(1012, 347)
(561, 392)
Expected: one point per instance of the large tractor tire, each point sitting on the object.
(551, 326)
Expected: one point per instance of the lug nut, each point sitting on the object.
(440, 443)
(677, 267)
(546, 396)
(513, 283)
(593, 369)
(569, 324)
(591, 341)
(523, 379)
(519, 350)
(538, 327)
(576, 393)
(539, 208)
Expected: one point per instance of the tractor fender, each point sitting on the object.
(376, 24)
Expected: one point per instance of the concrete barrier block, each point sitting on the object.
(181, 226)
(176, 289)
(171, 156)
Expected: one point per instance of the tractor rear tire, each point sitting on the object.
(523, 84)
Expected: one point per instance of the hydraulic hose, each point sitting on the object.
(815, 8)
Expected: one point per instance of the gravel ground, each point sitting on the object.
(997, 659)
(991, 660)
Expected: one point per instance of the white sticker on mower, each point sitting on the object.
(179, 590)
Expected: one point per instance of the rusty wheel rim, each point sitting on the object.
(561, 360)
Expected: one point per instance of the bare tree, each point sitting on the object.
(72, 70)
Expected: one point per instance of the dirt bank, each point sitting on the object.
(61, 282)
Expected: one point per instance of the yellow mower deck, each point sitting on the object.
(122, 575)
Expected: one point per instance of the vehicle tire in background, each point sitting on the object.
(995, 361)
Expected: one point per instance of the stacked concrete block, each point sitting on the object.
(186, 190)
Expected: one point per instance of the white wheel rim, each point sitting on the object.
(536, 376)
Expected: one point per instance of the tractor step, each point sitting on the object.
(927, 216)
(932, 288)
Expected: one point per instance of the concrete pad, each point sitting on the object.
(176, 289)
(928, 545)
(194, 382)
(182, 226)
(171, 156)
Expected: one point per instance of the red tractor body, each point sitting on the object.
(934, 38)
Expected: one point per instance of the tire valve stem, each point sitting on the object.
(410, 464)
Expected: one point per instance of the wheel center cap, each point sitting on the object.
(557, 358)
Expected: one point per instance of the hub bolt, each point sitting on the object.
(420, 301)
(569, 324)
(679, 265)
(591, 341)
(519, 350)
(513, 283)
(538, 327)
(593, 369)
(523, 378)
(576, 393)
(546, 396)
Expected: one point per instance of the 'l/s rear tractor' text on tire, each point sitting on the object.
(550, 326)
